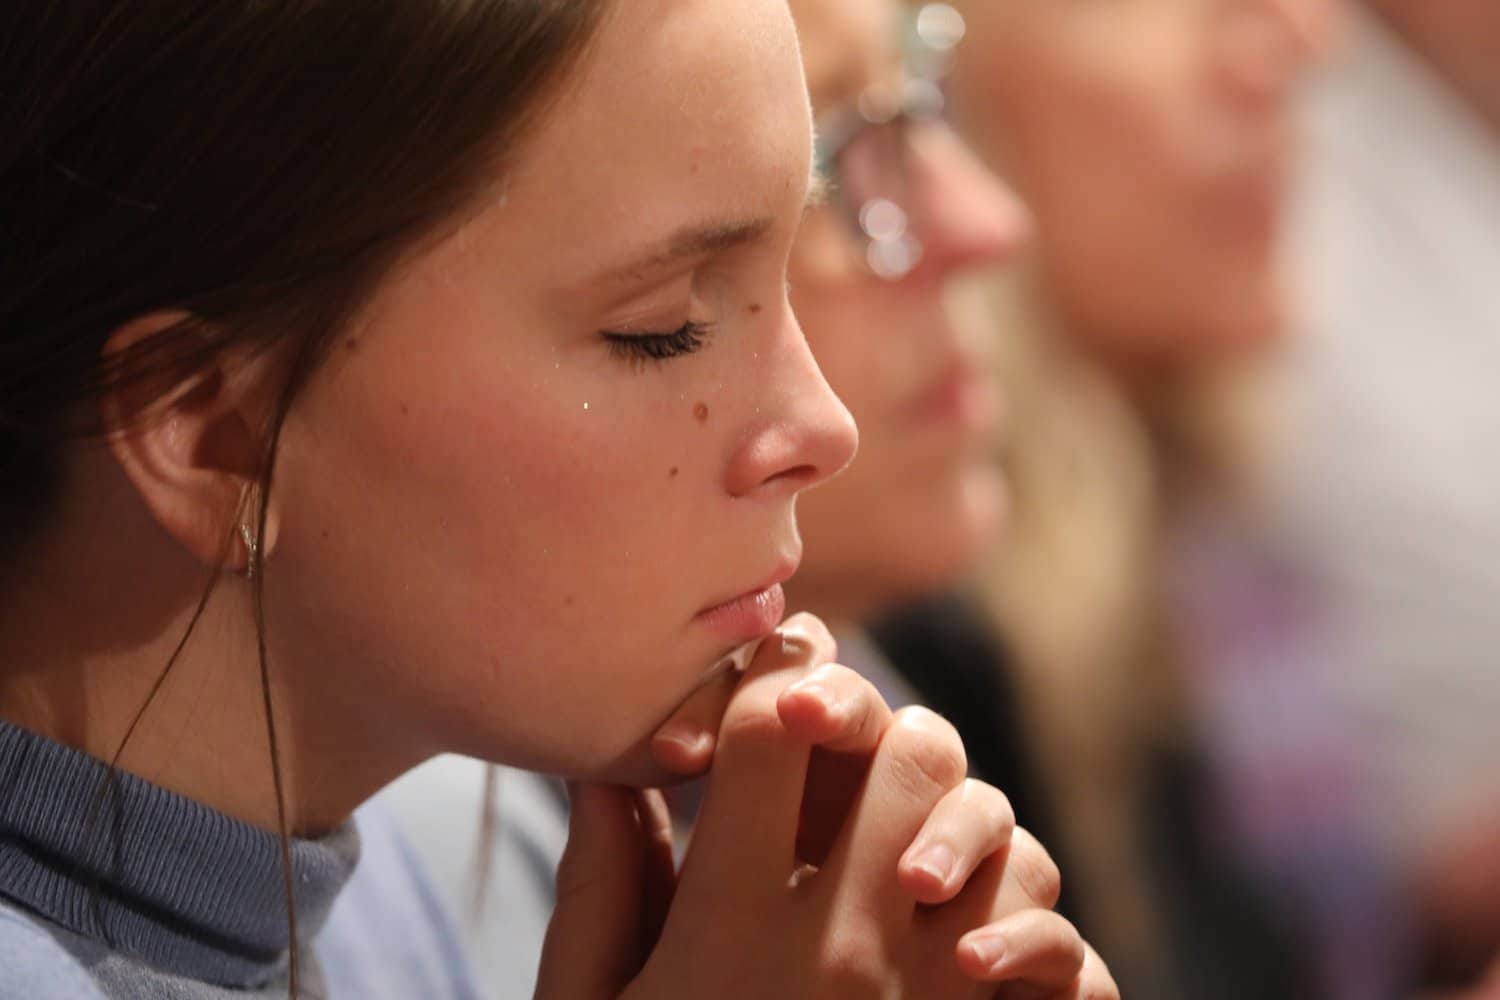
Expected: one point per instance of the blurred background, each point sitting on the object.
(1249, 582)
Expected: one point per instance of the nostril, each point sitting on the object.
(800, 476)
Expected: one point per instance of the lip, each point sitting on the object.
(753, 613)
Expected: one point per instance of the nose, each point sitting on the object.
(801, 434)
(970, 217)
(1269, 44)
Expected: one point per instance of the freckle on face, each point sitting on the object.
(673, 472)
(701, 412)
(755, 308)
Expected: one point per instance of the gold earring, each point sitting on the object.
(252, 548)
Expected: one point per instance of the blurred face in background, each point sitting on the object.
(1151, 140)
(872, 275)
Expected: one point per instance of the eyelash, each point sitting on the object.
(642, 348)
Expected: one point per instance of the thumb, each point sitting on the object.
(593, 944)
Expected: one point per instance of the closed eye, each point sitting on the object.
(640, 348)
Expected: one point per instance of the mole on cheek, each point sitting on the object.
(673, 471)
(701, 412)
(755, 308)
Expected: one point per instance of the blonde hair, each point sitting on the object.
(1078, 588)
(1071, 591)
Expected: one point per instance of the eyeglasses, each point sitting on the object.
(868, 153)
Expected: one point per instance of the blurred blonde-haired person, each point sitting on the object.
(1153, 141)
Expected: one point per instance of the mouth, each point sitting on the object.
(753, 613)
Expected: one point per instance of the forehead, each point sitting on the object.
(682, 111)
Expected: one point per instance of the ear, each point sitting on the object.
(191, 444)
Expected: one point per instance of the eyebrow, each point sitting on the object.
(692, 242)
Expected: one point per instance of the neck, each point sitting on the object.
(91, 622)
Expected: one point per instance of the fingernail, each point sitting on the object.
(937, 861)
(795, 644)
(689, 737)
(989, 949)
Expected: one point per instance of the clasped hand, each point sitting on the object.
(841, 852)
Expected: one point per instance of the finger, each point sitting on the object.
(1031, 876)
(1035, 949)
(684, 743)
(970, 825)
(835, 708)
(1019, 878)
(1095, 982)
(844, 716)
(592, 947)
(746, 830)
(659, 870)
(919, 761)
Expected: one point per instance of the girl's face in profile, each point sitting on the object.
(511, 509)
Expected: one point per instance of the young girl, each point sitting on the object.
(384, 380)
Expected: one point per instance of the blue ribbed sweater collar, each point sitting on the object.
(152, 874)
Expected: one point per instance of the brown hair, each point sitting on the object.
(257, 165)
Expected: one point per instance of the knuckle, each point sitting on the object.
(851, 957)
(836, 676)
(925, 749)
(867, 703)
(1035, 871)
(851, 687)
(992, 804)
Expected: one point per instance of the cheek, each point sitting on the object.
(501, 552)
(540, 503)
